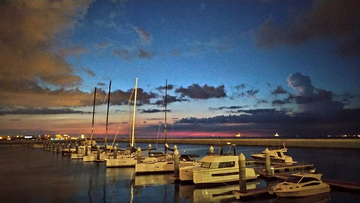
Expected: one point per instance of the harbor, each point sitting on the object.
(254, 191)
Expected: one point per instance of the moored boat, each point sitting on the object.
(276, 156)
(301, 185)
(164, 162)
(215, 169)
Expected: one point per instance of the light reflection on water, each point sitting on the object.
(36, 175)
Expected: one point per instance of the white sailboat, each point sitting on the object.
(126, 158)
(85, 146)
(162, 163)
(93, 153)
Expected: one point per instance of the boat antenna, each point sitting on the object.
(93, 115)
(133, 126)
(165, 101)
(107, 116)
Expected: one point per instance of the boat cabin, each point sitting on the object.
(219, 162)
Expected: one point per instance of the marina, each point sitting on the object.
(344, 185)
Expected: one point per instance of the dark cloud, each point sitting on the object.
(103, 45)
(145, 54)
(120, 97)
(124, 54)
(88, 71)
(240, 86)
(195, 91)
(153, 110)
(327, 19)
(169, 87)
(279, 90)
(308, 98)
(226, 108)
(278, 102)
(247, 116)
(301, 83)
(145, 37)
(170, 99)
(41, 111)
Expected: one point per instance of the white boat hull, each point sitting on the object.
(77, 156)
(128, 161)
(160, 167)
(302, 193)
(301, 185)
(94, 157)
(220, 175)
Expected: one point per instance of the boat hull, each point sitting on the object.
(160, 167)
(272, 160)
(94, 158)
(77, 156)
(121, 162)
(303, 193)
(221, 175)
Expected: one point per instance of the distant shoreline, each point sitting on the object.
(336, 143)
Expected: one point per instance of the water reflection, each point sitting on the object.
(320, 198)
(212, 194)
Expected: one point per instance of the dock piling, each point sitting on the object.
(115, 151)
(242, 172)
(98, 152)
(176, 162)
(138, 155)
(211, 150)
(267, 162)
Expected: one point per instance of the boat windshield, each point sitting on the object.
(293, 179)
(205, 164)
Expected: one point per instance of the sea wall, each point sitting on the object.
(314, 143)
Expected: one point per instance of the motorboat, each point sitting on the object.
(162, 164)
(301, 185)
(276, 156)
(215, 169)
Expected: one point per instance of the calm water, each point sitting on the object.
(36, 175)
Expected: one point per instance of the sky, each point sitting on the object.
(253, 68)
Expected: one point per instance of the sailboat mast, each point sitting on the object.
(92, 124)
(133, 126)
(165, 101)
(107, 116)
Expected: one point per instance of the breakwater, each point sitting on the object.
(336, 143)
(271, 142)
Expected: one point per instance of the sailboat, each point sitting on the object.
(106, 147)
(94, 154)
(86, 145)
(127, 158)
(162, 163)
